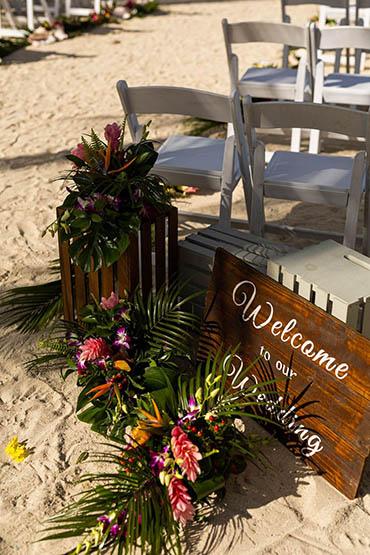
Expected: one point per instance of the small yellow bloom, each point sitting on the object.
(17, 452)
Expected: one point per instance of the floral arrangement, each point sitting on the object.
(171, 423)
(111, 192)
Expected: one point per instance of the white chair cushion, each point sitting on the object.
(347, 88)
(309, 177)
(192, 153)
(269, 81)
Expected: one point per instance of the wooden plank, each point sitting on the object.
(66, 277)
(160, 251)
(146, 258)
(93, 280)
(80, 289)
(173, 262)
(107, 284)
(269, 320)
(128, 268)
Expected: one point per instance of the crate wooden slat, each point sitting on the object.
(146, 257)
(135, 267)
(331, 276)
(160, 251)
(197, 252)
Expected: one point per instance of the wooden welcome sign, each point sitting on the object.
(267, 319)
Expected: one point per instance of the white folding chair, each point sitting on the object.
(321, 179)
(327, 8)
(269, 82)
(339, 88)
(202, 162)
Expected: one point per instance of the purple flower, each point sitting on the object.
(136, 194)
(114, 531)
(191, 414)
(156, 462)
(112, 133)
(106, 522)
(122, 339)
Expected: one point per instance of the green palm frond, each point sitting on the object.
(31, 308)
(164, 320)
(134, 502)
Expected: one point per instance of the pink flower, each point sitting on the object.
(93, 349)
(184, 449)
(111, 302)
(182, 509)
(112, 133)
(79, 151)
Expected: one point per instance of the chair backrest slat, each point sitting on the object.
(257, 31)
(272, 115)
(346, 36)
(331, 3)
(175, 100)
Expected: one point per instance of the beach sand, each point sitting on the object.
(50, 96)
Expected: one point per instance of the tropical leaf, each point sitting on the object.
(31, 308)
(134, 501)
(165, 322)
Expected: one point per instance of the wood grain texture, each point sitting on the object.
(128, 268)
(146, 258)
(160, 251)
(173, 262)
(66, 277)
(107, 283)
(342, 404)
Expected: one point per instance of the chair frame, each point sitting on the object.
(312, 116)
(206, 105)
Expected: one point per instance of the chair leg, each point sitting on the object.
(354, 198)
(227, 183)
(366, 231)
(257, 219)
(314, 146)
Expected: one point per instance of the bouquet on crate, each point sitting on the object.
(111, 191)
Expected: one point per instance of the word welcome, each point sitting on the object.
(286, 417)
(278, 329)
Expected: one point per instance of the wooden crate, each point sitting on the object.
(197, 253)
(331, 276)
(144, 263)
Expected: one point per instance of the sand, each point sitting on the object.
(51, 94)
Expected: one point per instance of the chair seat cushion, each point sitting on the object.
(196, 161)
(266, 81)
(309, 177)
(192, 153)
(347, 88)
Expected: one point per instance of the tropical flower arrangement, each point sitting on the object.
(111, 191)
(171, 423)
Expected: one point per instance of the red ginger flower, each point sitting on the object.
(184, 449)
(182, 509)
(93, 349)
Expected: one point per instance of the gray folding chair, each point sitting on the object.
(269, 82)
(321, 179)
(339, 88)
(341, 6)
(213, 164)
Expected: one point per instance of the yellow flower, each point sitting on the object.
(17, 452)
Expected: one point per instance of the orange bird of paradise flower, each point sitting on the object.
(145, 428)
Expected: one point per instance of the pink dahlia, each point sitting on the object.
(112, 133)
(182, 509)
(184, 449)
(109, 302)
(93, 349)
